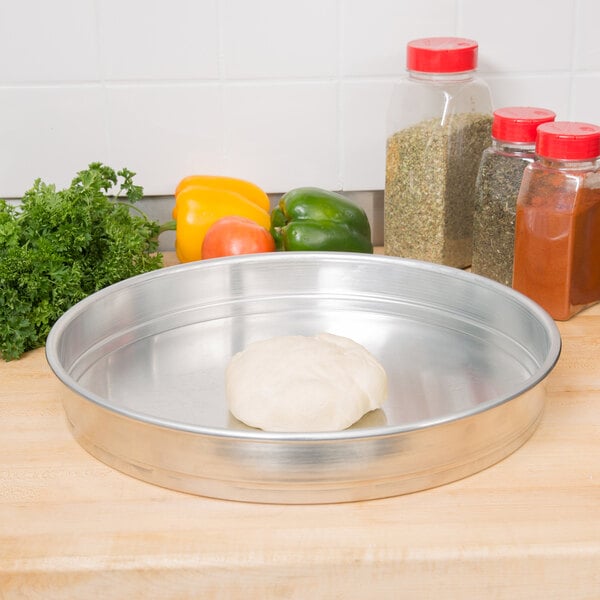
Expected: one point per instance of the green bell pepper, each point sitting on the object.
(310, 218)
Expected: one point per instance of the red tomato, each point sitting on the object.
(236, 235)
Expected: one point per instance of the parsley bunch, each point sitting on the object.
(60, 246)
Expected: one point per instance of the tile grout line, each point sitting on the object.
(102, 82)
(221, 82)
(341, 150)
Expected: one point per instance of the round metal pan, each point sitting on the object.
(143, 366)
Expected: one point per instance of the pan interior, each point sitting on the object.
(156, 347)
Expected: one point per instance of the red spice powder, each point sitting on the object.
(557, 242)
(585, 281)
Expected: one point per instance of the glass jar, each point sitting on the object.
(498, 182)
(439, 124)
(557, 231)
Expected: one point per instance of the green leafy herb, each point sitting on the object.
(60, 246)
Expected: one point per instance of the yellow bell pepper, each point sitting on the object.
(198, 206)
(246, 188)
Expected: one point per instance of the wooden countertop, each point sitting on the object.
(528, 527)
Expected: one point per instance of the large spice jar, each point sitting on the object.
(498, 182)
(557, 235)
(439, 124)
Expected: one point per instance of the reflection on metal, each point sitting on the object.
(143, 366)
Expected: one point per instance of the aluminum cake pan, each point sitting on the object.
(143, 366)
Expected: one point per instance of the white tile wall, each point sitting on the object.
(279, 39)
(48, 42)
(521, 36)
(49, 132)
(374, 33)
(586, 39)
(158, 40)
(163, 132)
(282, 92)
(362, 149)
(282, 135)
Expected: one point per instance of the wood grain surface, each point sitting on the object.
(526, 528)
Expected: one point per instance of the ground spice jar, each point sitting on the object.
(439, 124)
(498, 182)
(557, 231)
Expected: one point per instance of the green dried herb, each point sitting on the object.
(498, 185)
(431, 171)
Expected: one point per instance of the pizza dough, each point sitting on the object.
(304, 384)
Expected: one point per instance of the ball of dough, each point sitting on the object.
(304, 384)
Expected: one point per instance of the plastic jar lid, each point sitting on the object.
(441, 55)
(519, 123)
(566, 140)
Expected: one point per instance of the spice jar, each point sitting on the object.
(439, 124)
(557, 234)
(497, 187)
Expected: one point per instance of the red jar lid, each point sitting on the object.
(519, 124)
(565, 140)
(441, 55)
